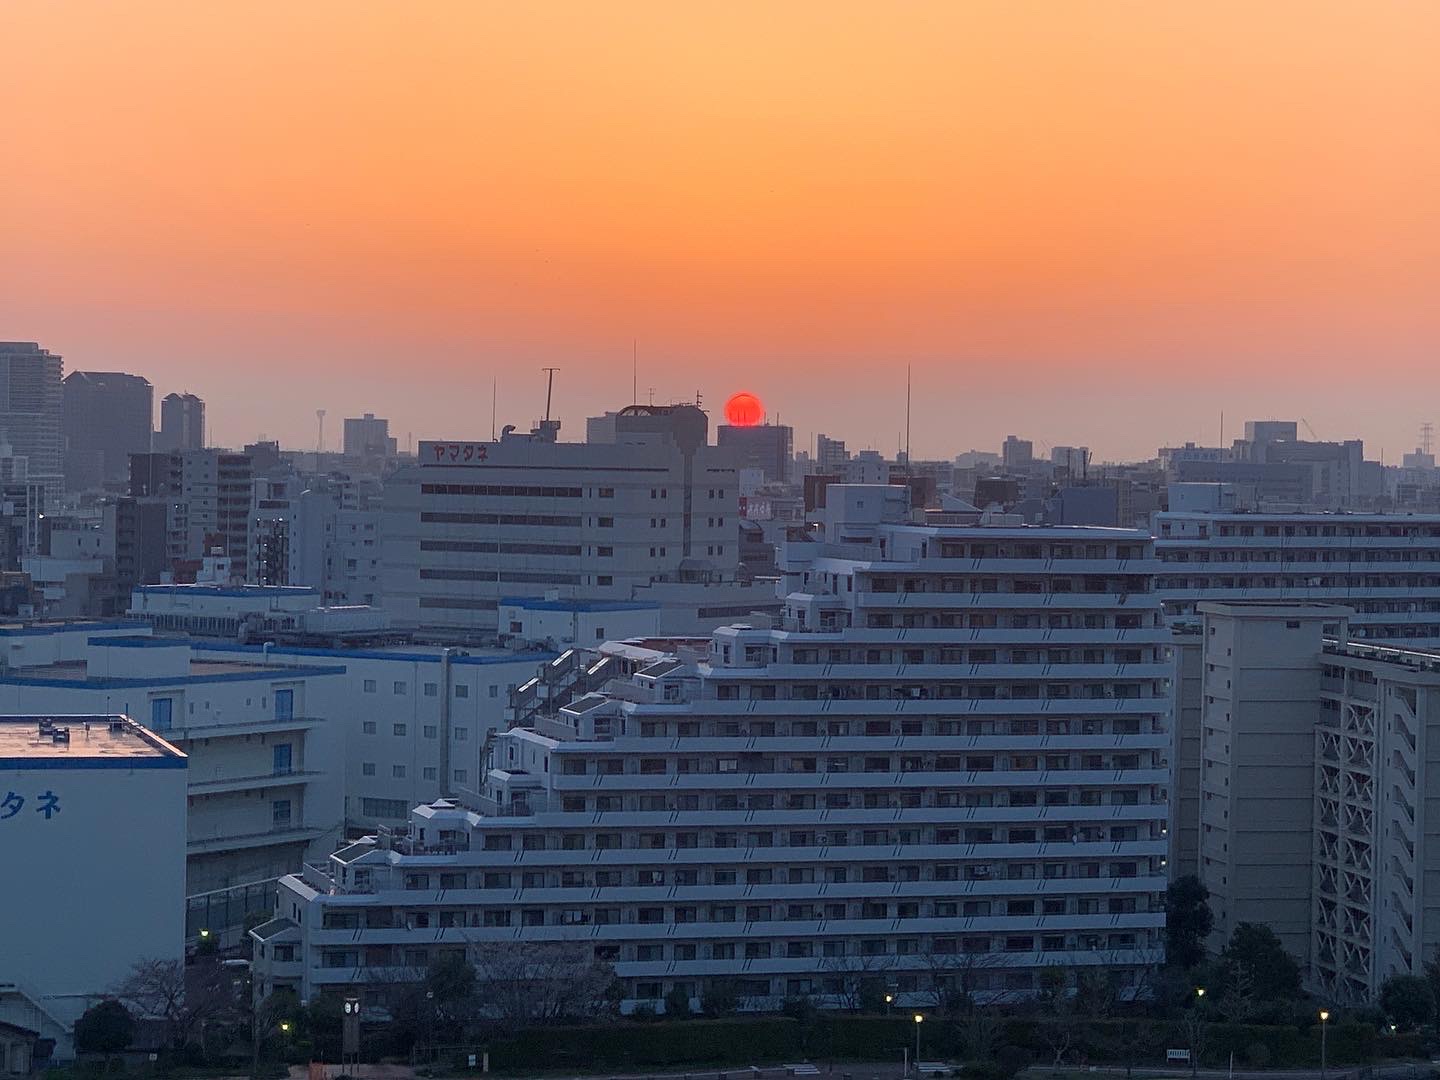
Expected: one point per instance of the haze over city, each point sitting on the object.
(1109, 222)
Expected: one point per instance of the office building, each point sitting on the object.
(368, 436)
(472, 522)
(107, 416)
(769, 448)
(30, 412)
(1017, 453)
(182, 423)
(92, 816)
(944, 774)
(1384, 567)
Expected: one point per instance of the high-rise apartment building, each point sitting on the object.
(1312, 814)
(368, 436)
(946, 772)
(107, 416)
(472, 522)
(182, 423)
(30, 411)
(1384, 567)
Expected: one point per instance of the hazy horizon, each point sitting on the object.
(1088, 224)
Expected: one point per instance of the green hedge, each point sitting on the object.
(738, 1042)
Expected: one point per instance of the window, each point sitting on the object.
(397, 771)
(461, 690)
(429, 731)
(368, 727)
(367, 768)
(399, 729)
(280, 814)
(384, 808)
(429, 773)
(399, 687)
(432, 689)
(369, 686)
(459, 776)
(461, 734)
(161, 711)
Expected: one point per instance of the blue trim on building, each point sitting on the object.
(251, 592)
(76, 627)
(271, 674)
(373, 654)
(27, 764)
(530, 603)
(138, 643)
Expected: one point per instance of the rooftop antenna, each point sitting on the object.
(634, 372)
(494, 393)
(549, 389)
(907, 417)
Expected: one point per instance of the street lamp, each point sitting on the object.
(1324, 1017)
(285, 1027)
(889, 1000)
(1195, 1028)
(918, 1021)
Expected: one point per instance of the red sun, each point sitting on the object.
(744, 410)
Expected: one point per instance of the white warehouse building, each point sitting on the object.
(92, 829)
(946, 772)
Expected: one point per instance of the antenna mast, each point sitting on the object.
(494, 393)
(907, 418)
(549, 389)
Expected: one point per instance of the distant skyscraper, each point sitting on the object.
(368, 436)
(30, 407)
(182, 423)
(1017, 453)
(106, 417)
(768, 447)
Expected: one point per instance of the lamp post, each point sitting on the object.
(918, 1021)
(889, 1000)
(1195, 1029)
(1324, 1019)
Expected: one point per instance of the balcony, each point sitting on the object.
(296, 834)
(262, 782)
(191, 732)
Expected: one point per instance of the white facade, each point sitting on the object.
(92, 835)
(1321, 765)
(946, 772)
(474, 522)
(1384, 567)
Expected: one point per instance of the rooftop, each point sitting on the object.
(82, 741)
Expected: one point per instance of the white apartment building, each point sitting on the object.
(1315, 792)
(947, 771)
(1384, 567)
(92, 842)
(473, 522)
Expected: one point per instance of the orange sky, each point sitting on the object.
(1084, 221)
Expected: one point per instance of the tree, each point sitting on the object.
(721, 997)
(1254, 954)
(1056, 1012)
(1408, 1001)
(1188, 921)
(542, 981)
(105, 1028)
(677, 1003)
(181, 997)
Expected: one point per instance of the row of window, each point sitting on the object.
(809, 729)
(430, 689)
(872, 691)
(839, 763)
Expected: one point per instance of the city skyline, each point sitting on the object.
(795, 202)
